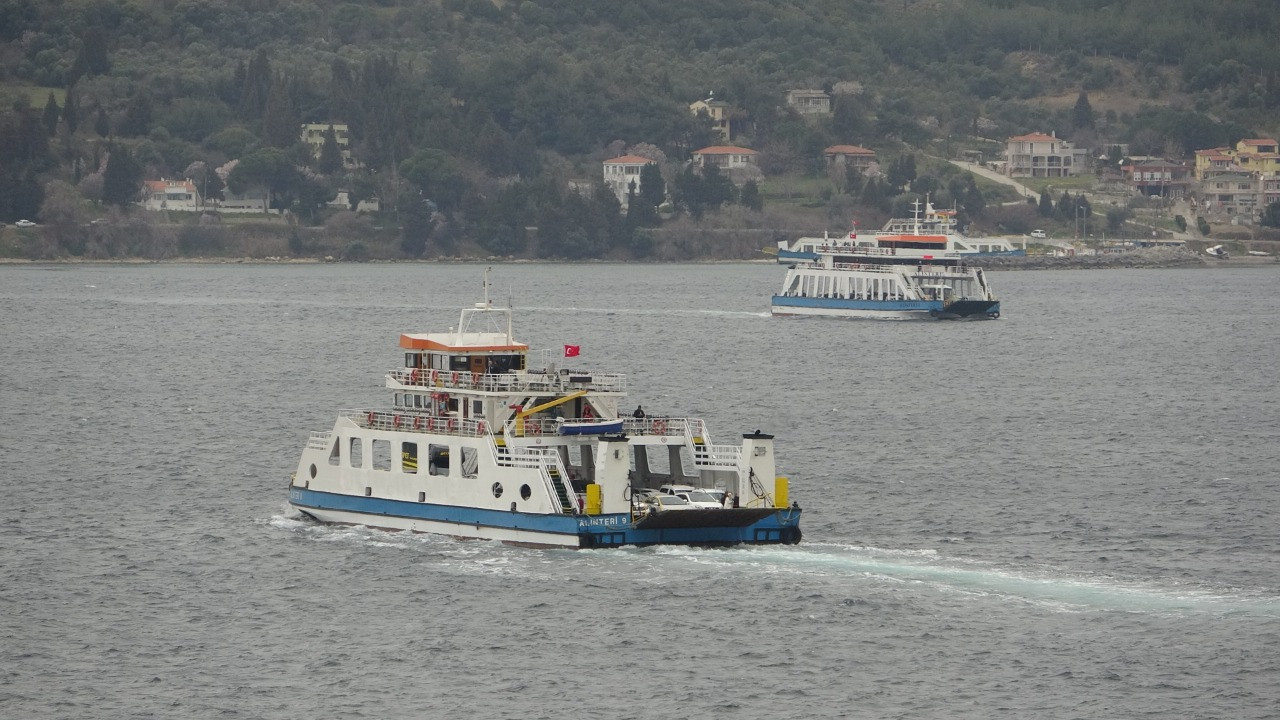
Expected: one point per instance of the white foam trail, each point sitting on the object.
(924, 568)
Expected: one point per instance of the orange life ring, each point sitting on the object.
(413, 376)
(480, 428)
(659, 427)
(433, 377)
(475, 379)
(395, 421)
(455, 378)
(451, 425)
(370, 418)
(587, 414)
(417, 422)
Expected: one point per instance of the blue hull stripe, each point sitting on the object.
(596, 530)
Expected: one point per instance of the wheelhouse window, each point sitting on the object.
(437, 459)
(382, 455)
(335, 456)
(356, 454)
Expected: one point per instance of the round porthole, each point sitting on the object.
(525, 492)
(313, 471)
(497, 490)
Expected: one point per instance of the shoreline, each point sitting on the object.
(1150, 258)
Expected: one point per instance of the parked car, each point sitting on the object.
(701, 499)
(675, 489)
(1038, 234)
(663, 503)
(24, 223)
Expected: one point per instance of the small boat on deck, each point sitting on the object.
(531, 455)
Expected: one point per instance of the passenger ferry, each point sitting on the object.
(928, 289)
(929, 232)
(478, 443)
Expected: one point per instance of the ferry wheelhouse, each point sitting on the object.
(478, 443)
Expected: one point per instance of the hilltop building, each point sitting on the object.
(1040, 155)
(718, 112)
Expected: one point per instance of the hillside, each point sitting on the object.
(469, 119)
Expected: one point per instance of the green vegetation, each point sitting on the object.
(470, 120)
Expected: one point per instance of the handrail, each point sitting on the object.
(508, 382)
(319, 440)
(416, 422)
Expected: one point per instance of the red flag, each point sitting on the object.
(571, 350)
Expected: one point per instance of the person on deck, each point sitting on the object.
(639, 413)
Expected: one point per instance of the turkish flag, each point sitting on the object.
(571, 350)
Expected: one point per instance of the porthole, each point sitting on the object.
(313, 471)
(525, 492)
(497, 490)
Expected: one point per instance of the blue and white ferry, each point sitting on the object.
(478, 443)
(929, 232)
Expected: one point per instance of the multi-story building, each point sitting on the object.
(163, 194)
(313, 135)
(1249, 155)
(621, 172)
(718, 112)
(1159, 178)
(1040, 155)
(809, 102)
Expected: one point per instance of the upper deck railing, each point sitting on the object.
(519, 381)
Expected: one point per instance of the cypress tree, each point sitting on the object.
(122, 179)
(51, 115)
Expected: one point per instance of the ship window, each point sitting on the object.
(460, 363)
(438, 459)
(526, 492)
(409, 457)
(470, 459)
(497, 490)
(381, 454)
(477, 408)
(397, 400)
(334, 454)
(356, 456)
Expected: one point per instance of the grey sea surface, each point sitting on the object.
(1070, 512)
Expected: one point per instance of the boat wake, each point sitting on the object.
(835, 563)
(926, 569)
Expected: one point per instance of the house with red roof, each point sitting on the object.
(164, 194)
(854, 156)
(725, 157)
(1040, 155)
(621, 172)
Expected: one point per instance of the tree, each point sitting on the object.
(437, 176)
(122, 180)
(1082, 113)
(50, 117)
(102, 124)
(1046, 204)
(750, 197)
(1270, 215)
(653, 189)
(71, 112)
(92, 58)
(137, 116)
(330, 154)
(269, 168)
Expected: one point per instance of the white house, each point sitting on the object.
(620, 172)
(180, 195)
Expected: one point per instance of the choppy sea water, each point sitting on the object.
(1066, 513)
